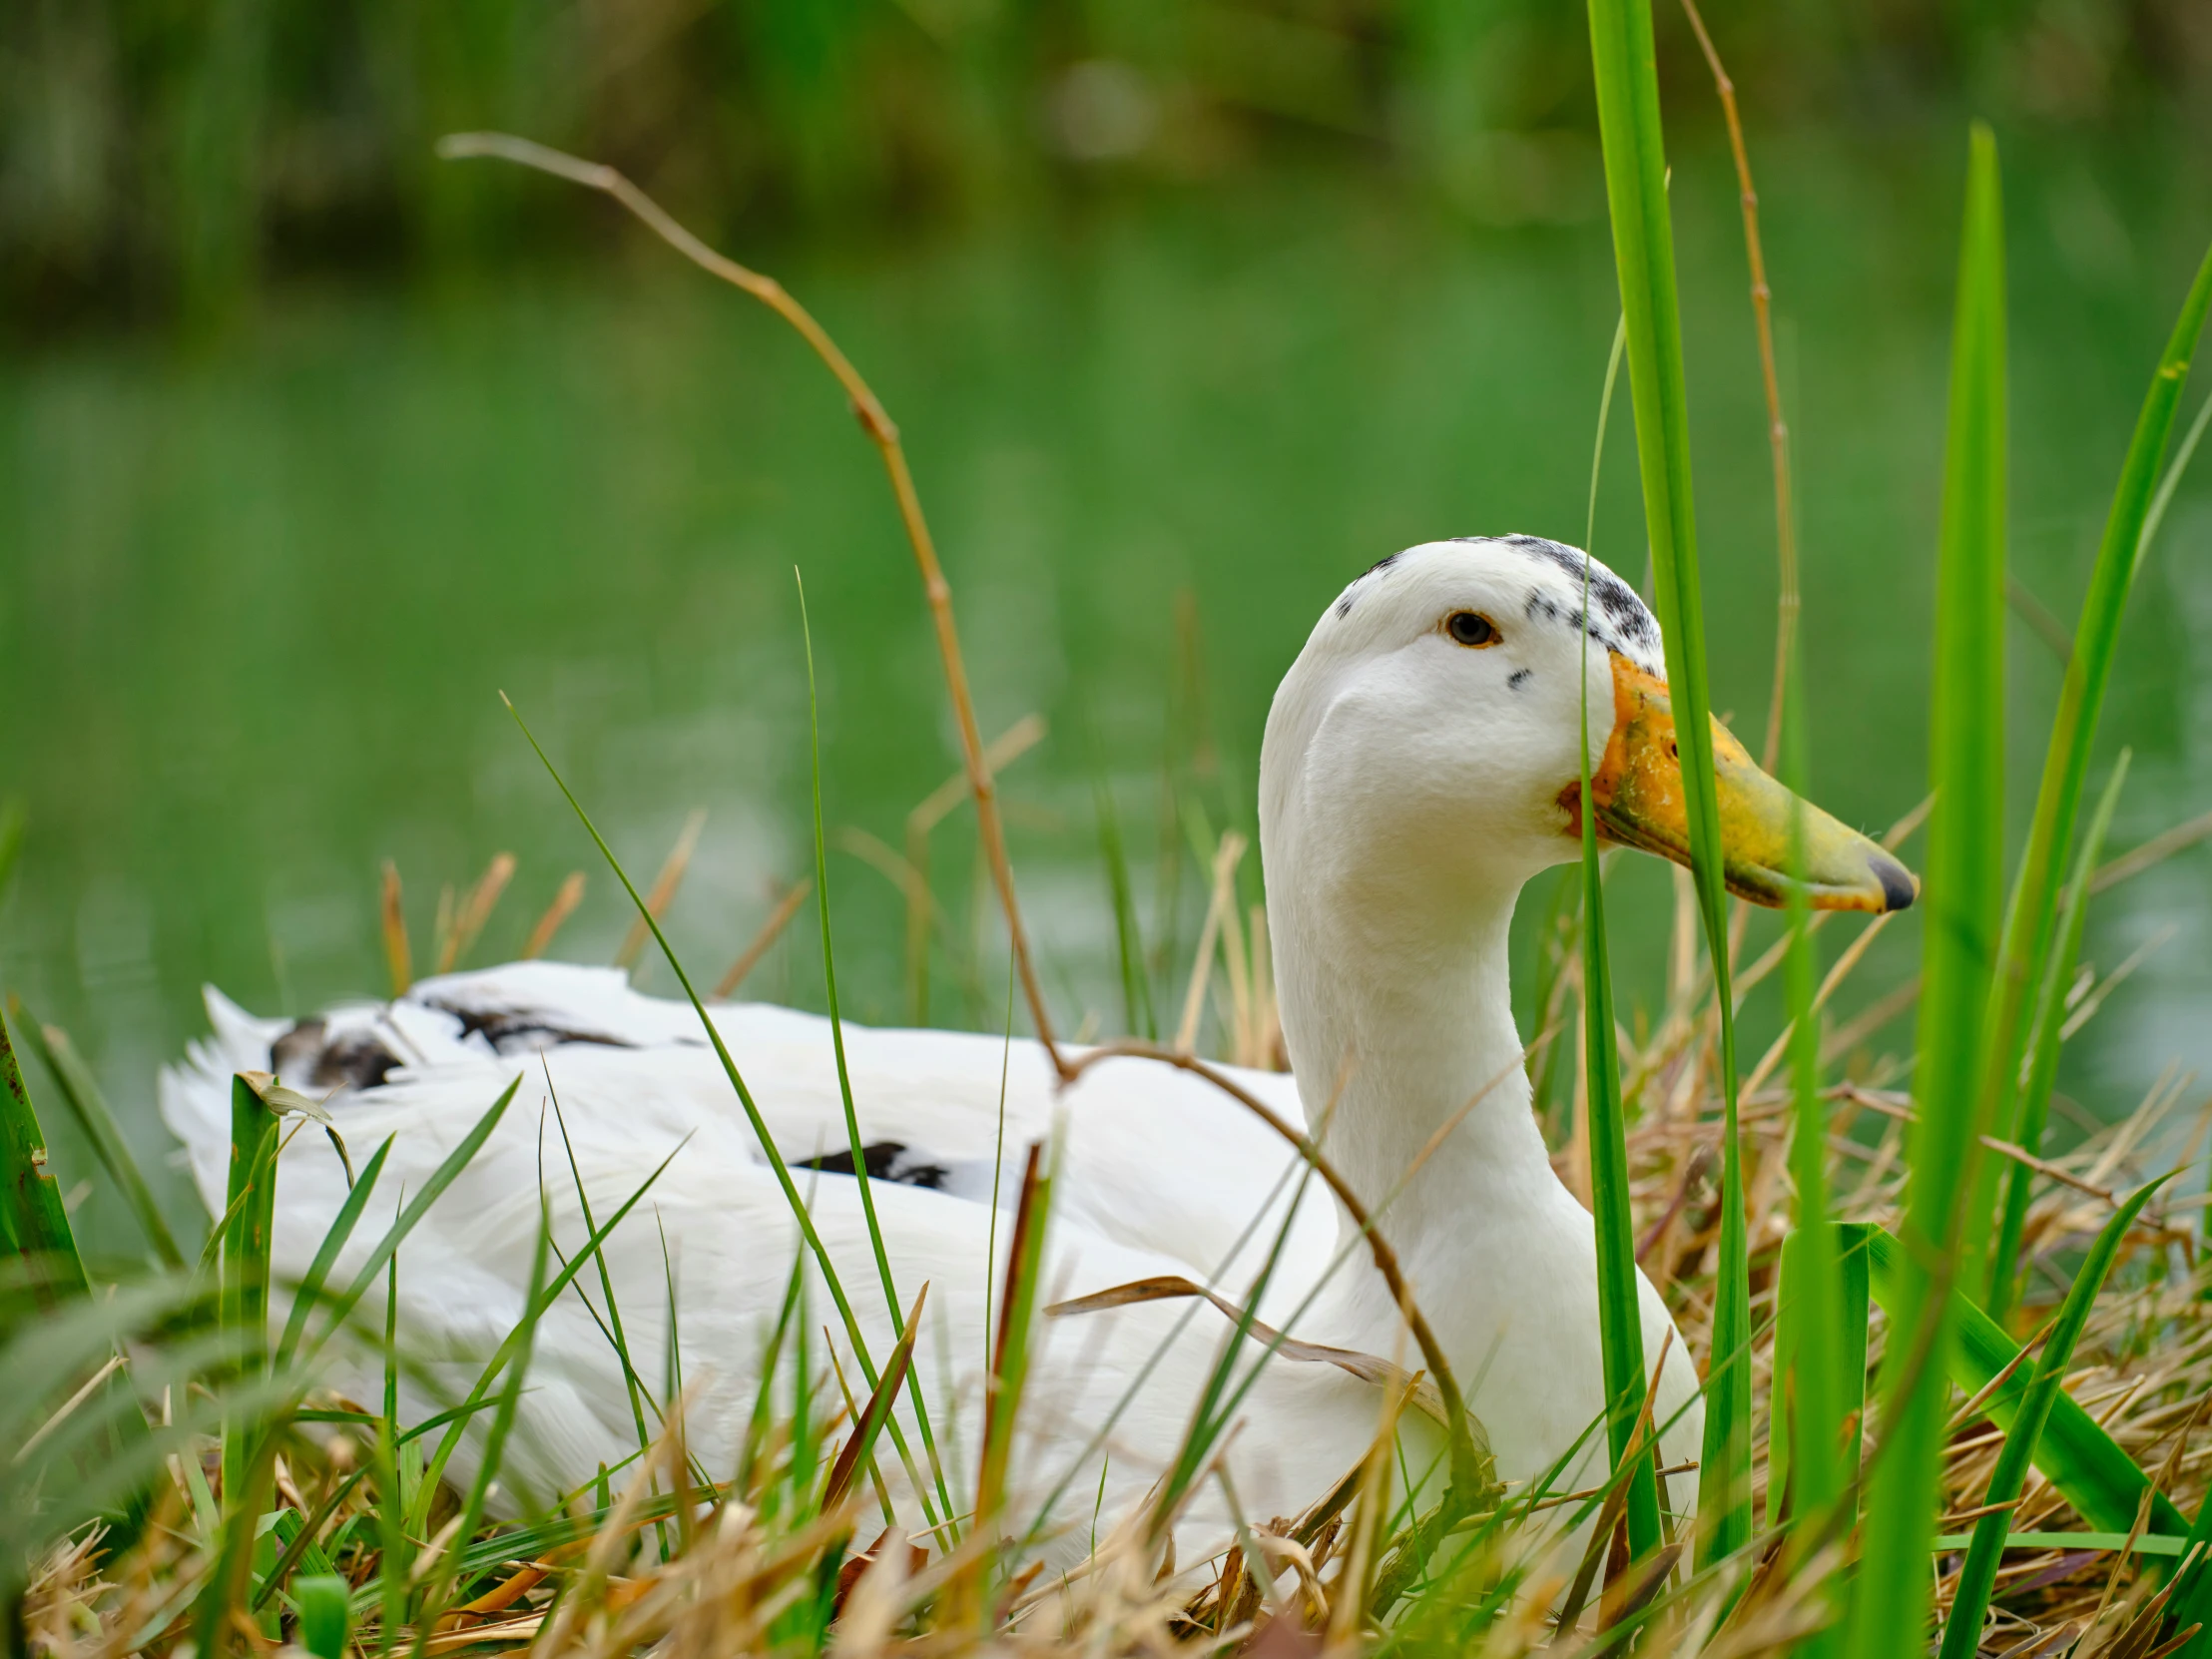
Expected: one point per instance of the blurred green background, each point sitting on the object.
(310, 444)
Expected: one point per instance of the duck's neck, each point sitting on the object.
(1397, 1017)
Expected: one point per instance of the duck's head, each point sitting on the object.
(1425, 746)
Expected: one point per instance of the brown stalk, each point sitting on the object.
(664, 889)
(1778, 433)
(398, 960)
(1469, 1476)
(884, 434)
(2155, 850)
(771, 930)
(475, 911)
(932, 810)
(563, 906)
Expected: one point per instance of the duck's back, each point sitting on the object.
(1160, 1174)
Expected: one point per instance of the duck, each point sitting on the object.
(1422, 762)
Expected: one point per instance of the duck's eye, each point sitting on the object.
(1471, 628)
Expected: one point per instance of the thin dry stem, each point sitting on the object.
(663, 887)
(563, 906)
(771, 930)
(884, 435)
(1778, 431)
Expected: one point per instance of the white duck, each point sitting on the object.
(1420, 766)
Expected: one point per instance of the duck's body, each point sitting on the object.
(1410, 783)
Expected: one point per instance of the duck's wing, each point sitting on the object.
(1152, 1158)
(708, 1253)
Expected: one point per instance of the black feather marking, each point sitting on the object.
(885, 1161)
(1630, 619)
(307, 1056)
(1518, 677)
(1344, 605)
(520, 1030)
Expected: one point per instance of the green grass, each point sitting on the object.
(1620, 1306)
(1960, 899)
(2043, 1043)
(2030, 919)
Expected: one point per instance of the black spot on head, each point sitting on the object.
(1518, 677)
(1629, 619)
(1565, 558)
(884, 1161)
(1344, 605)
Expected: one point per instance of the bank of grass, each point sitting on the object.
(174, 1477)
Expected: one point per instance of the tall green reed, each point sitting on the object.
(34, 1224)
(1621, 1299)
(2044, 1038)
(1624, 59)
(88, 1104)
(2032, 915)
(1963, 898)
(1823, 1374)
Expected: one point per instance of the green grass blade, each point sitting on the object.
(441, 1178)
(334, 1238)
(2192, 1600)
(33, 1222)
(767, 1143)
(394, 1554)
(523, 1340)
(617, 1337)
(1963, 1635)
(517, 1340)
(1963, 899)
(1624, 59)
(1619, 1303)
(81, 1093)
(2174, 470)
(763, 1422)
(326, 1614)
(2089, 1469)
(1808, 1431)
(2032, 915)
(1010, 1355)
(2043, 1046)
(12, 824)
(1218, 1401)
(1137, 1015)
(851, 1115)
(246, 1259)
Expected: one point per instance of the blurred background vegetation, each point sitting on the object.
(1190, 309)
(165, 156)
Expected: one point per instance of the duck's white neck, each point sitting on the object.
(1397, 1015)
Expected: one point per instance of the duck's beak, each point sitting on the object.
(1637, 789)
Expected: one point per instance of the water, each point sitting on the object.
(260, 599)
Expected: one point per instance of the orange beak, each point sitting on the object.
(1637, 789)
